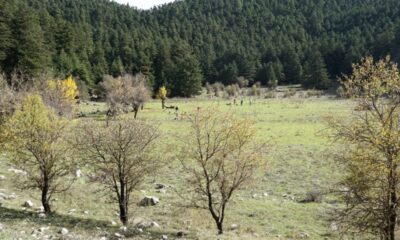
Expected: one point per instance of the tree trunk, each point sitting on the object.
(123, 209)
(45, 191)
(392, 205)
(220, 227)
(123, 216)
(135, 113)
(163, 103)
(392, 214)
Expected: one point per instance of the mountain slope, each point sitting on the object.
(229, 38)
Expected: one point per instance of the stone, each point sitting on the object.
(159, 186)
(303, 235)
(254, 195)
(266, 194)
(63, 231)
(28, 204)
(312, 196)
(1, 226)
(334, 227)
(71, 211)
(113, 223)
(181, 234)
(40, 209)
(17, 171)
(123, 229)
(234, 227)
(154, 224)
(149, 201)
(2, 178)
(42, 215)
(78, 173)
(43, 229)
(103, 238)
(118, 235)
(164, 237)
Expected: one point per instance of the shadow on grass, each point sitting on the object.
(73, 222)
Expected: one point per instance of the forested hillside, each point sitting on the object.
(183, 43)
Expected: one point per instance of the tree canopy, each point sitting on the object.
(208, 40)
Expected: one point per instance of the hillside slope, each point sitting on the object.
(262, 40)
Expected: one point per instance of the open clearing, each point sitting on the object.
(299, 162)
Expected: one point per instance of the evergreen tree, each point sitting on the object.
(28, 54)
(117, 68)
(5, 30)
(315, 73)
(292, 67)
(272, 80)
(185, 76)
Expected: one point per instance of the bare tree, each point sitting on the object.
(125, 91)
(34, 138)
(122, 153)
(221, 156)
(371, 154)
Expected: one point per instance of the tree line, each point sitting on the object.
(185, 44)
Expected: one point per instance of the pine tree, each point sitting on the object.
(272, 80)
(315, 73)
(5, 30)
(28, 54)
(292, 66)
(186, 73)
(117, 68)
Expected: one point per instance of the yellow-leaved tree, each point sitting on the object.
(35, 143)
(61, 95)
(162, 94)
(371, 150)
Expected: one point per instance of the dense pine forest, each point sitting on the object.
(188, 43)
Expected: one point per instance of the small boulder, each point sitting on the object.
(78, 173)
(181, 234)
(118, 235)
(159, 186)
(2, 178)
(303, 235)
(1, 226)
(164, 237)
(234, 227)
(17, 171)
(123, 229)
(334, 227)
(149, 201)
(63, 231)
(312, 196)
(154, 224)
(40, 209)
(42, 215)
(28, 204)
(113, 223)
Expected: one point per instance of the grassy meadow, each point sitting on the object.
(298, 162)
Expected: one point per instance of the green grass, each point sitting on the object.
(297, 163)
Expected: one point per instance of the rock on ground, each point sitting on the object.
(63, 231)
(28, 204)
(149, 201)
